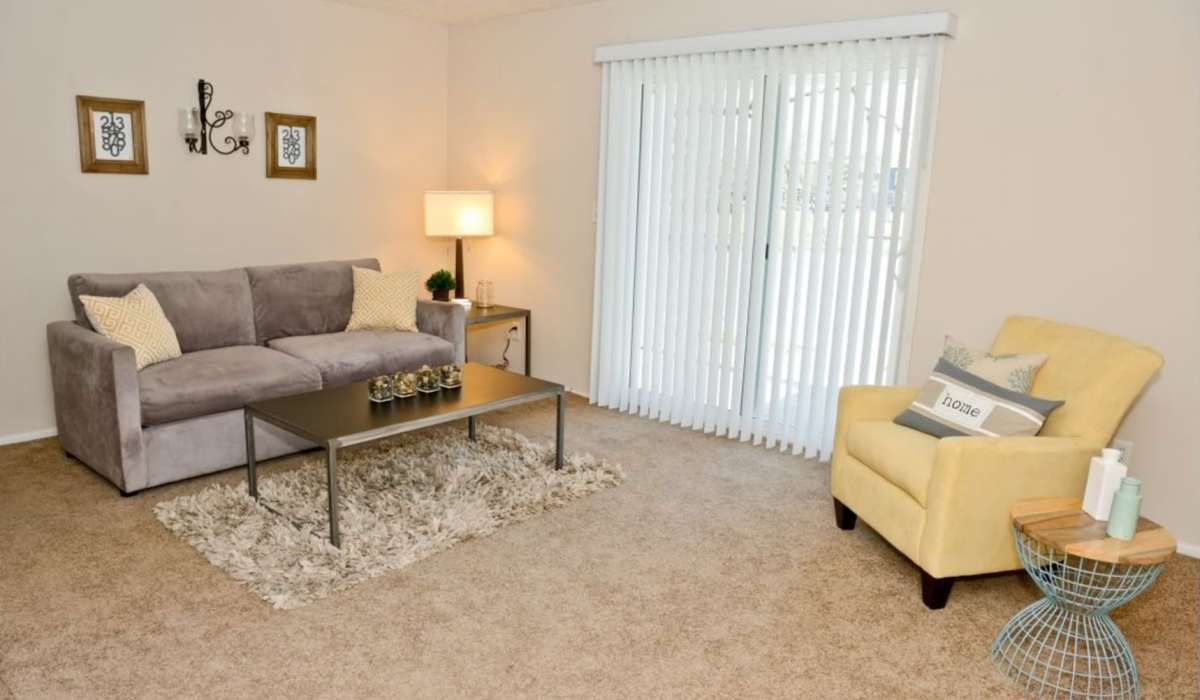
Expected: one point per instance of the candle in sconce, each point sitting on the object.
(189, 122)
(243, 126)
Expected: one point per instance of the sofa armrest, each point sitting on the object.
(97, 404)
(974, 483)
(445, 320)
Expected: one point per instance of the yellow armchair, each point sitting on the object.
(944, 503)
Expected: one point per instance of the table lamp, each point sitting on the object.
(458, 215)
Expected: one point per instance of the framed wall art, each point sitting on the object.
(291, 146)
(112, 135)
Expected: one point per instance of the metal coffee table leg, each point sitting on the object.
(331, 451)
(251, 467)
(471, 428)
(558, 434)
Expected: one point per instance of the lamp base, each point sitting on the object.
(459, 284)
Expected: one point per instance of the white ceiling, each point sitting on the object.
(456, 11)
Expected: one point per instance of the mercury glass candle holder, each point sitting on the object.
(404, 384)
(451, 376)
(485, 294)
(379, 389)
(428, 380)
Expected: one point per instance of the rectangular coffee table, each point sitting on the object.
(344, 416)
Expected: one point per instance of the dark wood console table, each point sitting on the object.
(477, 316)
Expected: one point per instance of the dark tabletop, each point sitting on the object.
(477, 314)
(346, 411)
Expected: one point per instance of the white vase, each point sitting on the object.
(1104, 478)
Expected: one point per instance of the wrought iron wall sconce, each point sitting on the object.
(198, 128)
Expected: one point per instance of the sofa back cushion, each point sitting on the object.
(207, 309)
(303, 299)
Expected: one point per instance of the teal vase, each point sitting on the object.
(1127, 503)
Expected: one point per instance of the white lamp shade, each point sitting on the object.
(458, 214)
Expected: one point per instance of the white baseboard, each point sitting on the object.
(26, 437)
(1189, 550)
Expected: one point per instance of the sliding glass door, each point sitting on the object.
(757, 225)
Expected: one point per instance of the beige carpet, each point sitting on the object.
(714, 570)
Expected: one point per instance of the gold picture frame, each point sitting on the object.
(291, 146)
(112, 135)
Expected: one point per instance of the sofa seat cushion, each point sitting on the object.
(210, 381)
(353, 356)
(901, 455)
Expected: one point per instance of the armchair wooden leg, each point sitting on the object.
(935, 591)
(845, 517)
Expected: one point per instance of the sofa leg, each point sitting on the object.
(935, 591)
(845, 517)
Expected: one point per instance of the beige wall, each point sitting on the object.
(1064, 168)
(376, 83)
(1064, 180)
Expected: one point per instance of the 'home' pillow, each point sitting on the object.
(384, 301)
(136, 320)
(956, 402)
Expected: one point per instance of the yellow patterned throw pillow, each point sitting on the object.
(384, 301)
(136, 320)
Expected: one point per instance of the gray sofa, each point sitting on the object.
(247, 334)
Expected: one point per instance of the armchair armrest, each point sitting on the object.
(859, 403)
(975, 480)
(445, 320)
(97, 403)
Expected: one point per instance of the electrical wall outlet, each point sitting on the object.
(514, 332)
(1126, 448)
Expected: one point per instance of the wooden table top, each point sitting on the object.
(346, 415)
(1061, 523)
(478, 314)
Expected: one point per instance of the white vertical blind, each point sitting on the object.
(756, 227)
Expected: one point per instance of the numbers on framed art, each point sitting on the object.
(291, 146)
(112, 135)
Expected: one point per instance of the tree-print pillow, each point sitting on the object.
(1013, 371)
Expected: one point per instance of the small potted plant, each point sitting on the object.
(440, 283)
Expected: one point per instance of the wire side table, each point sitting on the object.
(1066, 645)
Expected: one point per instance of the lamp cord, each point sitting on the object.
(503, 363)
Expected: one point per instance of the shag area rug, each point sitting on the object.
(401, 501)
